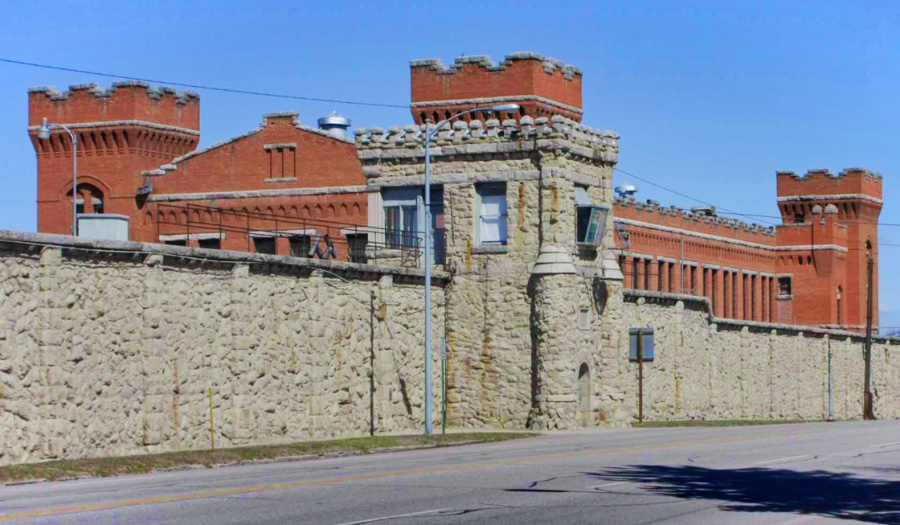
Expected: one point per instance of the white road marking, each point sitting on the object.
(885, 445)
(411, 514)
(802, 519)
(779, 460)
(608, 485)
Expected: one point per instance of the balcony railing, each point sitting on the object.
(207, 226)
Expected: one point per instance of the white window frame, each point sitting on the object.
(493, 189)
(404, 199)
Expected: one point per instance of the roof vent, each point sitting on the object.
(707, 211)
(335, 125)
(626, 190)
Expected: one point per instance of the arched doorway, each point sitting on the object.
(584, 394)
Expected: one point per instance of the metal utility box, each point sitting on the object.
(103, 226)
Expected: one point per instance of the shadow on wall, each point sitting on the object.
(816, 493)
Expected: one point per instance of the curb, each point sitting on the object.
(264, 461)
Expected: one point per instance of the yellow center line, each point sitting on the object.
(364, 477)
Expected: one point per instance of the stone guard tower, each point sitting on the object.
(527, 298)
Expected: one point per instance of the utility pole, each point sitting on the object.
(640, 357)
(868, 412)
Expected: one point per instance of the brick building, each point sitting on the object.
(272, 189)
(282, 187)
(811, 269)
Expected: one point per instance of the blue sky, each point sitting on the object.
(711, 98)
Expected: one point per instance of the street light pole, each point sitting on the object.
(430, 132)
(44, 134)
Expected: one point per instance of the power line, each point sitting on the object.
(200, 86)
(660, 186)
(726, 211)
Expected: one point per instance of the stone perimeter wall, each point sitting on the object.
(114, 353)
(716, 369)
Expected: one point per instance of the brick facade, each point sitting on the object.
(279, 178)
(284, 179)
(542, 86)
(810, 270)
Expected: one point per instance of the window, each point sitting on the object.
(357, 244)
(648, 263)
(210, 244)
(635, 281)
(79, 205)
(177, 243)
(784, 286)
(401, 216)
(264, 245)
(300, 246)
(98, 205)
(715, 289)
(590, 220)
(660, 273)
(492, 214)
(840, 314)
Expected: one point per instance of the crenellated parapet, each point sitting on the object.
(674, 218)
(130, 101)
(856, 192)
(378, 147)
(542, 86)
(550, 65)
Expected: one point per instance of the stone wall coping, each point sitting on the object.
(550, 64)
(249, 194)
(824, 172)
(209, 255)
(718, 238)
(707, 307)
(676, 211)
(489, 249)
(841, 196)
(120, 123)
(254, 131)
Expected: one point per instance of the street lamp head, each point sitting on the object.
(505, 107)
(44, 130)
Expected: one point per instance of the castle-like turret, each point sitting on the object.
(120, 131)
(854, 198)
(542, 86)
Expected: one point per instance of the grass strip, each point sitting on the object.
(122, 465)
(725, 423)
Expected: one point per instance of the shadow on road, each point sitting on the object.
(829, 494)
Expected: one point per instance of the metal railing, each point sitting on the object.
(316, 237)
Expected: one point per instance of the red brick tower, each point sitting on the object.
(542, 86)
(853, 200)
(121, 131)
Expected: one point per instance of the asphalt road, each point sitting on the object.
(790, 474)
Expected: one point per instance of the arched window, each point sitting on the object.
(89, 199)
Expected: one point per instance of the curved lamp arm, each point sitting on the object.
(436, 127)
